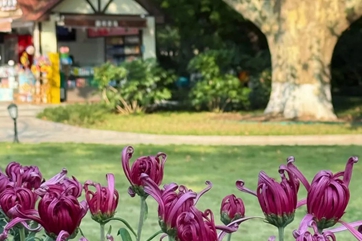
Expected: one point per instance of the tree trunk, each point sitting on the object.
(301, 73)
(301, 37)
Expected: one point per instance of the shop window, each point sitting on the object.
(66, 34)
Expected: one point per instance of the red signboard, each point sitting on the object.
(106, 32)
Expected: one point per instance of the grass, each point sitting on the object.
(227, 124)
(191, 165)
(193, 123)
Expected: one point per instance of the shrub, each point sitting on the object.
(146, 82)
(218, 89)
(77, 114)
(219, 94)
(135, 86)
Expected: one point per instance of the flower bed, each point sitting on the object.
(30, 204)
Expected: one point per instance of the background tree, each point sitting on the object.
(301, 37)
(195, 26)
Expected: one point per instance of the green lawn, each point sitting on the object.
(204, 123)
(191, 165)
(229, 124)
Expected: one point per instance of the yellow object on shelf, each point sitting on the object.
(54, 78)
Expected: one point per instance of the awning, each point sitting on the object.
(6, 24)
(104, 21)
(20, 23)
(36, 10)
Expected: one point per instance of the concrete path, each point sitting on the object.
(32, 130)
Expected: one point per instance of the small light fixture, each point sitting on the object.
(13, 112)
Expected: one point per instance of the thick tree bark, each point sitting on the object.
(301, 37)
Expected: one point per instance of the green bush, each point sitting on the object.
(107, 72)
(219, 94)
(138, 85)
(77, 114)
(218, 90)
(146, 82)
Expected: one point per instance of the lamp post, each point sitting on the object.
(13, 112)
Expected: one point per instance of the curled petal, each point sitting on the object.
(235, 224)
(209, 186)
(329, 236)
(9, 226)
(126, 156)
(301, 203)
(296, 172)
(4, 182)
(72, 187)
(163, 236)
(112, 193)
(240, 185)
(62, 236)
(163, 157)
(304, 224)
(3, 236)
(343, 227)
(52, 181)
(272, 238)
(131, 192)
(13, 170)
(226, 229)
(109, 237)
(175, 209)
(348, 170)
(36, 229)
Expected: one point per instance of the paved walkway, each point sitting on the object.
(32, 130)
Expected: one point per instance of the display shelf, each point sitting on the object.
(123, 48)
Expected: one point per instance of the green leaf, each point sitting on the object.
(33, 239)
(110, 229)
(124, 234)
(2, 224)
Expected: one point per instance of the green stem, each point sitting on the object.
(102, 231)
(153, 236)
(281, 234)
(124, 222)
(81, 232)
(229, 237)
(22, 234)
(170, 238)
(142, 218)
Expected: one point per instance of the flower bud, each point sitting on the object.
(328, 195)
(150, 165)
(196, 226)
(173, 200)
(278, 200)
(103, 202)
(232, 208)
(13, 196)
